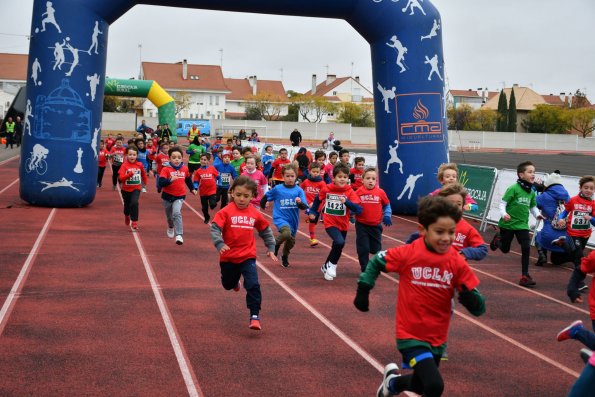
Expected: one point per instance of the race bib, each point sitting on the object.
(334, 206)
(134, 179)
(579, 222)
(118, 158)
(225, 179)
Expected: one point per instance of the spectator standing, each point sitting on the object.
(193, 132)
(295, 137)
(18, 131)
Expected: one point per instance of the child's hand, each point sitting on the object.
(312, 217)
(173, 177)
(506, 218)
(298, 200)
(361, 301)
(540, 217)
(342, 199)
(467, 207)
(224, 248)
(387, 221)
(588, 218)
(561, 222)
(195, 192)
(272, 256)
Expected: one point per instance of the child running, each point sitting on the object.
(312, 187)
(338, 200)
(516, 203)
(448, 173)
(161, 160)
(333, 158)
(580, 211)
(320, 158)
(117, 157)
(376, 211)
(288, 199)
(101, 162)
(227, 174)
(132, 175)
(356, 173)
(205, 180)
(276, 172)
(172, 180)
(267, 159)
(430, 271)
(258, 177)
(232, 232)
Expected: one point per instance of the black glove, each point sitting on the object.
(469, 300)
(361, 297)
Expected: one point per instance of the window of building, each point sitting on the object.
(334, 93)
(217, 100)
(210, 99)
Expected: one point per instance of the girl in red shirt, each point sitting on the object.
(357, 172)
(312, 187)
(116, 155)
(205, 180)
(102, 162)
(132, 175)
(161, 160)
(232, 232)
(276, 172)
(338, 199)
(172, 180)
(376, 210)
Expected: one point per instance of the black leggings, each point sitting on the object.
(131, 203)
(100, 172)
(338, 237)
(206, 202)
(115, 169)
(524, 240)
(425, 379)
(223, 195)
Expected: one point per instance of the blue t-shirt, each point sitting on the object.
(267, 163)
(285, 209)
(226, 174)
(142, 157)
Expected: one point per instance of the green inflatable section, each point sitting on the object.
(166, 107)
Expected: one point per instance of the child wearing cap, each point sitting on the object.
(227, 174)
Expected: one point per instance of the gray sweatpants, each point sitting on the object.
(173, 213)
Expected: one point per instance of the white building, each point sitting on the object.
(13, 75)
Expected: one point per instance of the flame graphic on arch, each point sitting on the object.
(420, 112)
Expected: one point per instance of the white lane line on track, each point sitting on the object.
(22, 277)
(10, 159)
(8, 187)
(185, 367)
(473, 321)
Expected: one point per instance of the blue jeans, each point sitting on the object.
(338, 238)
(586, 337)
(230, 276)
(583, 387)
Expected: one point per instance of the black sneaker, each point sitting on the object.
(391, 371)
(284, 261)
(527, 281)
(586, 354)
(495, 243)
(541, 259)
(207, 219)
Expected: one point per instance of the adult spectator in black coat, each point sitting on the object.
(295, 137)
(18, 131)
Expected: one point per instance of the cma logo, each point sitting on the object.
(415, 127)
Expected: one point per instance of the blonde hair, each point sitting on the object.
(446, 166)
(455, 188)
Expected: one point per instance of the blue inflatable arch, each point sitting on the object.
(66, 75)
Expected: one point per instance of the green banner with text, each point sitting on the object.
(479, 183)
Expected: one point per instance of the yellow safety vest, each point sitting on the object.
(10, 127)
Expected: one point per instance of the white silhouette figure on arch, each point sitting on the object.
(75, 56)
(35, 68)
(28, 113)
(94, 41)
(386, 96)
(433, 32)
(434, 65)
(410, 185)
(93, 82)
(394, 158)
(411, 4)
(59, 57)
(94, 141)
(50, 17)
(401, 51)
(61, 183)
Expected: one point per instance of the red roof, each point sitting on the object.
(553, 100)
(13, 67)
(323, 88)
(241, 89)
(492, 94)
(464, 93)
(169, 76)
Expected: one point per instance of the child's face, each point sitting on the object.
(528, 175)
(175, 158)
(203, 161)
(320, 160)
(141, 144)
(269, 150)
(369, 180)
(241, 196)
(333, 159)
(131, 156)
(341, 179)
(163, 149)
(226, 159)
(449, 177)
(315, 172)
(118, 143)
(345, 158)
(250, 164)
(456, 199)
(440, 235)
(171, 144)
(149, 144)
(289, 177)
(101, 145)
(587, 189)
(283, 155)
(360, 166)
(236, 154)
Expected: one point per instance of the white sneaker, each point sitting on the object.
(170, 232)
(179, 239)
(391, 371)
(331, 270)
(324, 270)
(143, 190)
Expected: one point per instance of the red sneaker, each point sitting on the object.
(255, 323)
(237, 287)
(127, 220)
(134, 226)
(570, 331)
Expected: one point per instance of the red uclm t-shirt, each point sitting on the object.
(427, 284)
(312, 189)
(357, 178)
(178, 187)
(118, 154)
(576, 224)
(207, 180)
(238, 227)
(466, 236)
(372, 202)
(132, 176)
(278, 167)
(588, 266)
(161, 160)
(336, 213)
(102, 158)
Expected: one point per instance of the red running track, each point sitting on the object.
(98, 310)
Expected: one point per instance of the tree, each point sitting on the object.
(459, 117)
(356, 115)
(252, 113)
(269, 106)
(483, 119)
(583, 120)
(117, 104)
(512, 113)
(183, 100)
(313, 108)
(580, 100)
(502, 122)
(547, 119)
(293, 110)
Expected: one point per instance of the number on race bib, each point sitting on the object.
(579, 222)
(334, 206)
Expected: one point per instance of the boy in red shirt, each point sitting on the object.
(376, 210)
(430, 270)
(172, 180)
(161, 160)
(116, 155)
(109, 142)
(277, 167)
(356, 173)
(338, 199)
(205, 180)
(312, 187)
(232, 232)
(320, 158)
(333, 158)
(580, 211)
(132, 175)
(101, 162)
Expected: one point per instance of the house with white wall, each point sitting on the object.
(13, 75)
(244, 89)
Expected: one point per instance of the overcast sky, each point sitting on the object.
(548, 45)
